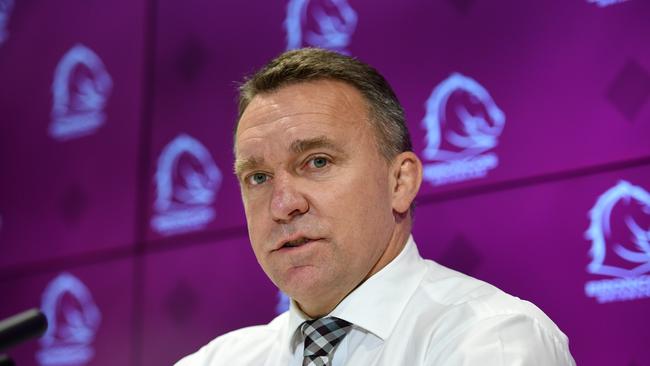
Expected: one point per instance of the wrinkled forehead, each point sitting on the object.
(300, 111)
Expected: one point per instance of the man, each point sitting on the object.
(324, 160)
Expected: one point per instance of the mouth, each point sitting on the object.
(295, 243)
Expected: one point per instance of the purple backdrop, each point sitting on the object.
(119, 214)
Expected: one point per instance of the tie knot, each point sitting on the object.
(322, 335)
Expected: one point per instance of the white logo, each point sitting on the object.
(73, 320)
(463, 123)
(6, 7)
(187, 182)
(320, 23)
(604, 3)
(80, 91)
(620, 245)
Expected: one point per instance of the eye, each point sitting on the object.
(257, 178)
(319, 162)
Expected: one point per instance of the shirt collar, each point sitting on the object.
(377, 304)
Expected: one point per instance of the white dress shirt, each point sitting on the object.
(412, 312)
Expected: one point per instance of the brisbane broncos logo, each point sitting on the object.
(74, 321)
(620, 244)
(80, 91)
(620, 232)
(320, 23)
(187, 182)
(463, 123)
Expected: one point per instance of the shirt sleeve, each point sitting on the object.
(505, 340)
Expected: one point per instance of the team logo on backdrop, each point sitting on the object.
(620, 244)
(463, 125)
(80, 91)
(6, 7)
(187, 181)
(604, 3)
(73, 322)
(320, 23)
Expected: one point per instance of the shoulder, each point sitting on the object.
(475, 321)
(241, 346)
(450, 291)
(505, 339)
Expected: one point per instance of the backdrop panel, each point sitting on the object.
(196, 293)
(89, 311)
(70, 110)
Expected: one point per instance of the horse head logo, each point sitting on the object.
(320, 23)
(80, 91)
(620, 232)
(186, 176)
(462, 120)
(74, 320)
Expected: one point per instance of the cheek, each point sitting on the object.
(254, 209)
(373, 210)
(255, 224)
(371, 192)
(361, 206)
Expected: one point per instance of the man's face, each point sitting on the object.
(316, 190)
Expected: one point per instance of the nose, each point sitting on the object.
(287, 201)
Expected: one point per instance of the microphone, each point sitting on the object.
(21, 327)
(6, 361)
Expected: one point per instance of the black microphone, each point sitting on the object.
(6, 361)
(21, 327)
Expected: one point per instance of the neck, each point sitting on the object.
(395, 245)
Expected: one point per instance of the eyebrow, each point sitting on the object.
(320, 142)
(247, 164)
(297, 147)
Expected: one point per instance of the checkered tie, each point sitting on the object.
(321, 336)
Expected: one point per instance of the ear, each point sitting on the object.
(406, 173)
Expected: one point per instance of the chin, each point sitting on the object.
(301, 290)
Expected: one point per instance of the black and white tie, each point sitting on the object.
(321, 337)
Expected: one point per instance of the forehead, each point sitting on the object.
(303, 110)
